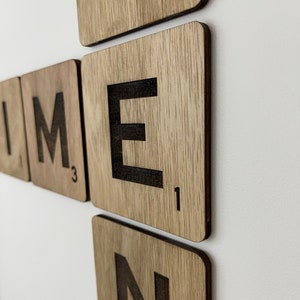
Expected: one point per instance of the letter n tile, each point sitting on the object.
(132, 263)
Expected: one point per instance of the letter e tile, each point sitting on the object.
(146, 105)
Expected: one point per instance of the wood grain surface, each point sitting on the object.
(149, 156)
(54, 129)
(102, 19)
(13, 146)
(135, 264)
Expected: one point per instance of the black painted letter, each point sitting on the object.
(125, 279)
(119, 131)
(161, 287)
(58, 123)
(5, 118)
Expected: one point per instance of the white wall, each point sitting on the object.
(46, 250)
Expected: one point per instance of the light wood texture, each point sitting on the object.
(176, 129)
(102, 19)
(13, 146)
(187, 270)
(51, 98)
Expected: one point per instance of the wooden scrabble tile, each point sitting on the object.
(13, 147)
(103, 19)
(146, 107)
(132, 263)
(52, 108)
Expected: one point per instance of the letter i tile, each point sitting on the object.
(146, 105)
(52, 107)
(13, 147)
(132, 263)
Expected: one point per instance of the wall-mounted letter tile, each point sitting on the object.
(132, 263)
(146, 107)
(13, 147)
(52, 108)
(102, 19)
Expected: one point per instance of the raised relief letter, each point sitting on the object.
(58, 124)
(119, 131)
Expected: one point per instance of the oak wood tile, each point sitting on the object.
(54, 129)
(102, 19)
(13, 146)
(146, 105)
(135, 264)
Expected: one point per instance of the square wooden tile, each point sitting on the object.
(103, 19)
(13, 146)
(146, 107)
(135, 264)
(52, 108)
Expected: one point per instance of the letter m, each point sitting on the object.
(58, 124)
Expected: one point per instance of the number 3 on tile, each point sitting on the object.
(75, 176)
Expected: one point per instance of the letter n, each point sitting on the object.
(58, 124)
(125, 279)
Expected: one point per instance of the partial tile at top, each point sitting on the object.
(100, 20)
